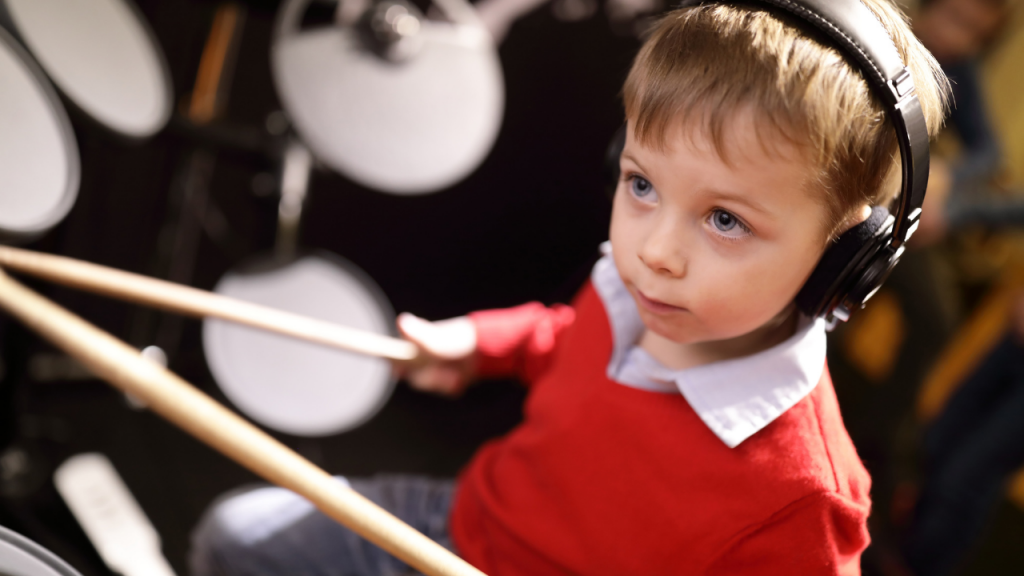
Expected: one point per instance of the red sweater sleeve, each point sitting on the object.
(819, 535)
(519, 341)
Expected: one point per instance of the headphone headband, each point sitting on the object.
(858, 34)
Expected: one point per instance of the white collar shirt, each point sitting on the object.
(735, 398)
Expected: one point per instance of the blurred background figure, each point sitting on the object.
(956, 32)
(970, 450)
(913, 352)
(976, 442)
(968, 188)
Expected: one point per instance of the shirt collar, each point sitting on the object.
(734, 398)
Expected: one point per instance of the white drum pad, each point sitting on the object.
(20, 556)
(39, 165)
(407, 128)
(294, 386)
(101, 54)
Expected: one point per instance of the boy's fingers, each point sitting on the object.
(452, 339)
(438, 379)
(411, 326)
(447, 348)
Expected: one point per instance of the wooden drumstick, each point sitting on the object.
(201, 303)
(174, 399)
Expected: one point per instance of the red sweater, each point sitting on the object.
(601, 478)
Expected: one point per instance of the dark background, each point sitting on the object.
(524, 226)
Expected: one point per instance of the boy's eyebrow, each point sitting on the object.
(629, 156)
(738, 198)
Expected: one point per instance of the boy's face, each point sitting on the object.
(712, 251)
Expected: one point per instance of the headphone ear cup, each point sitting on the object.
(842, 263)
(611, 160)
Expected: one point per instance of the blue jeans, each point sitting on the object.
(271, 531)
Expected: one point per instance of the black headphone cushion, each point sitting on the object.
(837, 261)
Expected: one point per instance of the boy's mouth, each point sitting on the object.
(656, 306)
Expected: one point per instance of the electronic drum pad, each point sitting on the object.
(20, 556)
(39, 164)
(415, 121)
(294, 386)
(102, 56)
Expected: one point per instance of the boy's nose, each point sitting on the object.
(662, 251)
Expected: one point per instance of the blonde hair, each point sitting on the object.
(704, 64)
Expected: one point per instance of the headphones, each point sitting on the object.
(854, 267)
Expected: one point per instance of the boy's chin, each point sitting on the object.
(687, 331)
(678, 330)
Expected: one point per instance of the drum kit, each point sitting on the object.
(104, 60)
(39, 160)
(102, 55)
(20, 556)
(396, 100)
(282, 383)
(415, 113)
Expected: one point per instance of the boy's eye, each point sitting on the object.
(641, 187)
(723, 220)
(727, 224)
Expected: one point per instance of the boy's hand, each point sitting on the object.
(447, 360)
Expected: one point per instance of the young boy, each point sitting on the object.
(680, 417)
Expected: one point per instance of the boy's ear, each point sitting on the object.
(855, 218)
(848, 265)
